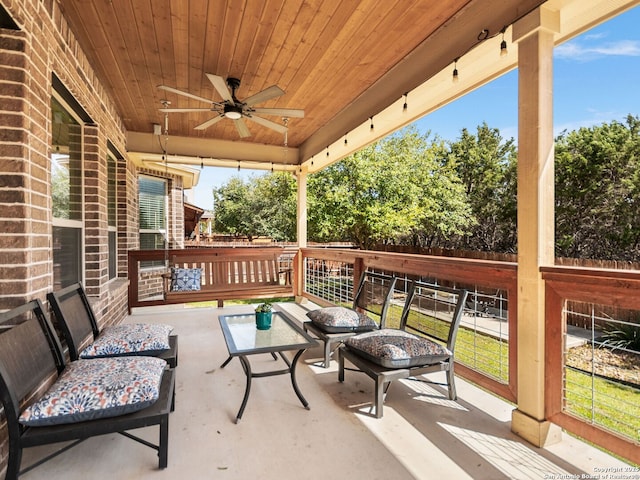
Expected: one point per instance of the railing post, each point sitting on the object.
(358, 269)
(132, 272)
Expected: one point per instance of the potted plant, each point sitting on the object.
(263, 316)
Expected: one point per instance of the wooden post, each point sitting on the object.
(298, 270)
(535, 36)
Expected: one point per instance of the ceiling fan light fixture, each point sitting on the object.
(233, 112)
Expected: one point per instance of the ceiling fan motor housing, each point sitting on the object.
(234, 112)
(234, 84)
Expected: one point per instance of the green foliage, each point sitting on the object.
(412, 189)
(60, 191)
(597, 193)
(232, 209)
(260, 206)
(395, 188)
(622, 335)
(486, 165)
(264, 308)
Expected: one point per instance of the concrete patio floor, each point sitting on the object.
(422, 435)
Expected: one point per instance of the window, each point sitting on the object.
(112, 216)
(153, 216)
(66, 191)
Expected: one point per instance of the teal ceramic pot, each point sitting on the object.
(263, 320)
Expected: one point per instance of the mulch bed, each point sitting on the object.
(612, 364)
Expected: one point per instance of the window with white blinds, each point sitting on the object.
(153, 203)
(152, 194)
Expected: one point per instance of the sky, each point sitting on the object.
(596, 80)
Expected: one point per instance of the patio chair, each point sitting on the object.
(332, 325)
(47, 401)
(423, 343)
(79, 328)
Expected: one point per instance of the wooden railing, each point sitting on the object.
(604, 288)
(616, 288)
(469, 273)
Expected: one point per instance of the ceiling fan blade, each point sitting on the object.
(220, 85)
(183, 110)
(209, 122)
(282, 112)
(266, 94)
(268, 123)
(242, 128)
(184, 94)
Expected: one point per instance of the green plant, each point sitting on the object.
(621, 335)
(264, 308)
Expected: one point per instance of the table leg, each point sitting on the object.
(247, 370)
(292, 369)
(226, 362)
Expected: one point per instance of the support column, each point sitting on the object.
(534, 35)
(298, 281)
(301, 177)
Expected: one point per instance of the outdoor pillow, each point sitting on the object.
(100, 388)
(341, 320)
(130, 339)
(392, 348)
(185, 279)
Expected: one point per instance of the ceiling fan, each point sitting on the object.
(235, 109)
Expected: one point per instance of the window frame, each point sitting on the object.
(78, 225)
(112, 203)
(162, 232)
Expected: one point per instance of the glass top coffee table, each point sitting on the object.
(244, 339)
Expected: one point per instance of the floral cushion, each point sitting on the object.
(341, 320)
(130, 339)
(185, 279)
(393, 348)
(92, 389)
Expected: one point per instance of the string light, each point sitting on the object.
(455, 70)
(311, 160)
(345, 140)
(371, 127)
(404, 107)
(271, 167)
(327, 151)
(201, 164)
(238, 165)
(503, 44)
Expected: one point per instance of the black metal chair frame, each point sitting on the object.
(383, 376)
(333, 340)
(77, 326)
(30, 356)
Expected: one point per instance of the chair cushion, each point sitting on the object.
(100, 388)
(341, 320)
(185, 279)
(130, 339)
(392, 348)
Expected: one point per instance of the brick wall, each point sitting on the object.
(45, 47)
(41, 49)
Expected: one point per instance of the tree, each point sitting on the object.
(597, 193)
(232, 209)
(273, 202)
(391, 189)
(486, 165)
(263, 205)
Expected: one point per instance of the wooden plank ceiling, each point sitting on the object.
(325, 54)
